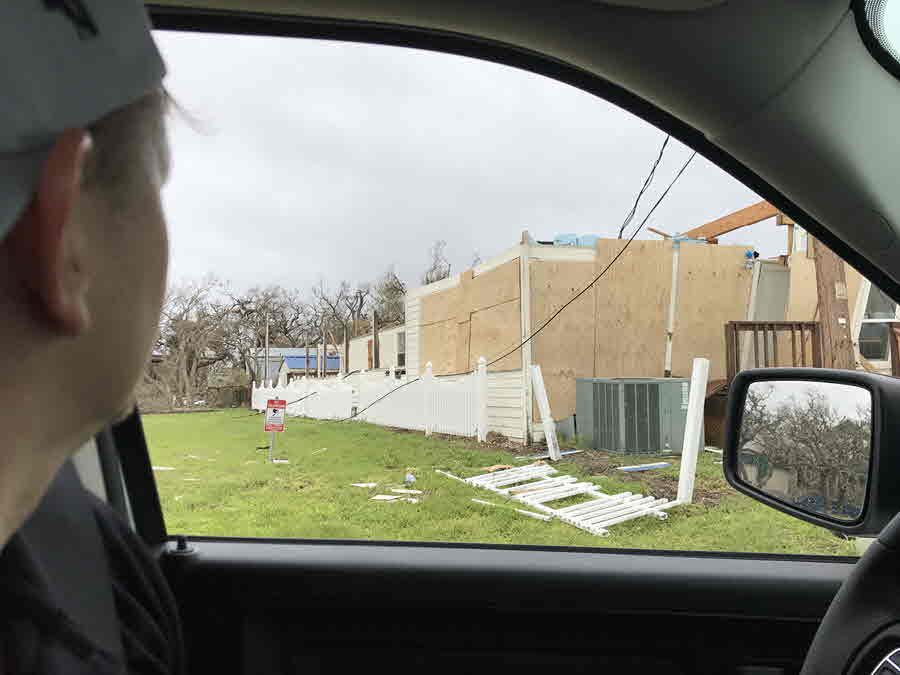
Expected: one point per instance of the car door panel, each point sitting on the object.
(275, 606)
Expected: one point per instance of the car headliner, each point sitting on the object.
(786, 96)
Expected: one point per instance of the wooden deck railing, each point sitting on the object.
(768, 344)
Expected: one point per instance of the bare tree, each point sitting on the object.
(191, 341)
(289, 316)
(438, 267)
(390, 298)
(333, 313)
(829, 452)
(289, 320)
(356, 301)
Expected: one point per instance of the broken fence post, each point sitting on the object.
(693, 432)
(540, 393)
(481, 398)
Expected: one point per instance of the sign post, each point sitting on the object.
(275, 412)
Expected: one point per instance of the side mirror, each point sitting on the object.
(818, 444)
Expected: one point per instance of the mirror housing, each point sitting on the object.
(882, 493)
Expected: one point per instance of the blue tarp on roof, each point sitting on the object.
(277, 353)
(299, 362)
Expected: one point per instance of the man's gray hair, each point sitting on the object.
(129, 148)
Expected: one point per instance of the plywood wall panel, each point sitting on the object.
(495, 330)
(440, 306)
(438, 345)
(631, 304)
(714, 288)
(565, 348)
(495, 286)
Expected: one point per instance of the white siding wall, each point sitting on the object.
(387, 347)
(504, 400)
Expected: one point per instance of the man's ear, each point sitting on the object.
(49, 246)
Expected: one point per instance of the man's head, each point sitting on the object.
(83, 247)
(84, 264)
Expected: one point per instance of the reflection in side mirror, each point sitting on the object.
(808, 444)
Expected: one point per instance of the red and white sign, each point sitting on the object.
(275, 411)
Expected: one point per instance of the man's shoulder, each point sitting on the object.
(144, 601)
(42, 631)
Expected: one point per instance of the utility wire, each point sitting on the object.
(260, 412)
(383, 396)
(605, 269)
(302, 398)
(647, 181)
(577, 295)
(574, 297)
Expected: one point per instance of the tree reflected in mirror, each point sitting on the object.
(808, 443)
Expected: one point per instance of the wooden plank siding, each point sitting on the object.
(504, 402)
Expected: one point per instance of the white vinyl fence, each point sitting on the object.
(446, 405)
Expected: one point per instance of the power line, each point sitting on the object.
(302, 398)
(260, 412)
(605, 269)
(383, 396)
(647, 181)
(573, 298)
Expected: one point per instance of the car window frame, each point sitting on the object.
(136, 465)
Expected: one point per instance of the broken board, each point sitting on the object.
(537, 486)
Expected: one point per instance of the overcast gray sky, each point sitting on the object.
(846, 400)
(312, 159)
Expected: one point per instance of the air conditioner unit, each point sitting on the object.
(635, 416)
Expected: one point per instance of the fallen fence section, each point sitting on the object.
(537, 486)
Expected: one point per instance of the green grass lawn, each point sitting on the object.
(220, 484)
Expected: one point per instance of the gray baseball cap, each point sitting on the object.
(67, 63)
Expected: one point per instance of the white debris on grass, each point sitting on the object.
(404, 491)
(594, 516)
(281, 461)
(385, 498)
(530, 514)
(363, 485)
(645, 467)
(318, 451)
(163, 468)
(192, 479)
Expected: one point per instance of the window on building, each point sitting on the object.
(879, 318)
(401, 349)
(879, 305)
(873, 342)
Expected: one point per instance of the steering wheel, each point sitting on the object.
(860, 633)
